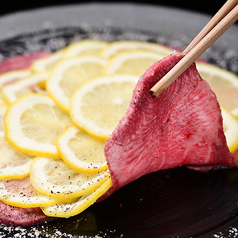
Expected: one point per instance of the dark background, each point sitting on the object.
(204, 6)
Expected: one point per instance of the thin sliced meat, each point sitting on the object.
(17, 216)
(21, 61)
(12, 215)
(182, 126)
(236, 155)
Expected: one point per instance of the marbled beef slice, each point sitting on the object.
(182, 126)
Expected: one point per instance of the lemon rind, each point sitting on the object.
(75, 104)
(80, 205)
(42, 185)
(69, 158)
(52, 84)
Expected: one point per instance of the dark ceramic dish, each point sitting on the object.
(172, 203)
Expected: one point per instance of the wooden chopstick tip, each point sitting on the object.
(157, 89)
(152, 93)
(205, 41)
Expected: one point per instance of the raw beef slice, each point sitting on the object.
(17, 216)
(21, 61)
(182, 126)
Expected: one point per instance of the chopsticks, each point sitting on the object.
(222, 20)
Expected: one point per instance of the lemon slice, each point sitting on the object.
(81, 151)
(55, 179)
(3, 109)
(74, 49)
(70, 74)
(120, 46)
(98, 105)
(24, 86)
(87, 46)
(13, 164)
(20, 193)
(33, 123)
(78, 206)
(47, 63)
(223, 83)
(132, 62)
(10, 77)
(230, 127)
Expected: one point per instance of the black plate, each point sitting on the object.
(172, 203)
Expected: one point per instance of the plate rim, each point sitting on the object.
(149, 17)
(18, 23)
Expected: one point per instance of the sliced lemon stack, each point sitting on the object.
(86, 46)
(33, 123)
(46, 177)
(132, 62)
(78, 48)
(32, 83)
(80, 151)
(78, 206)
(10, 77)
(47, 63)
(69, 74)
(98, 105)
(13, 164)
(21, 193)
(119, 46)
